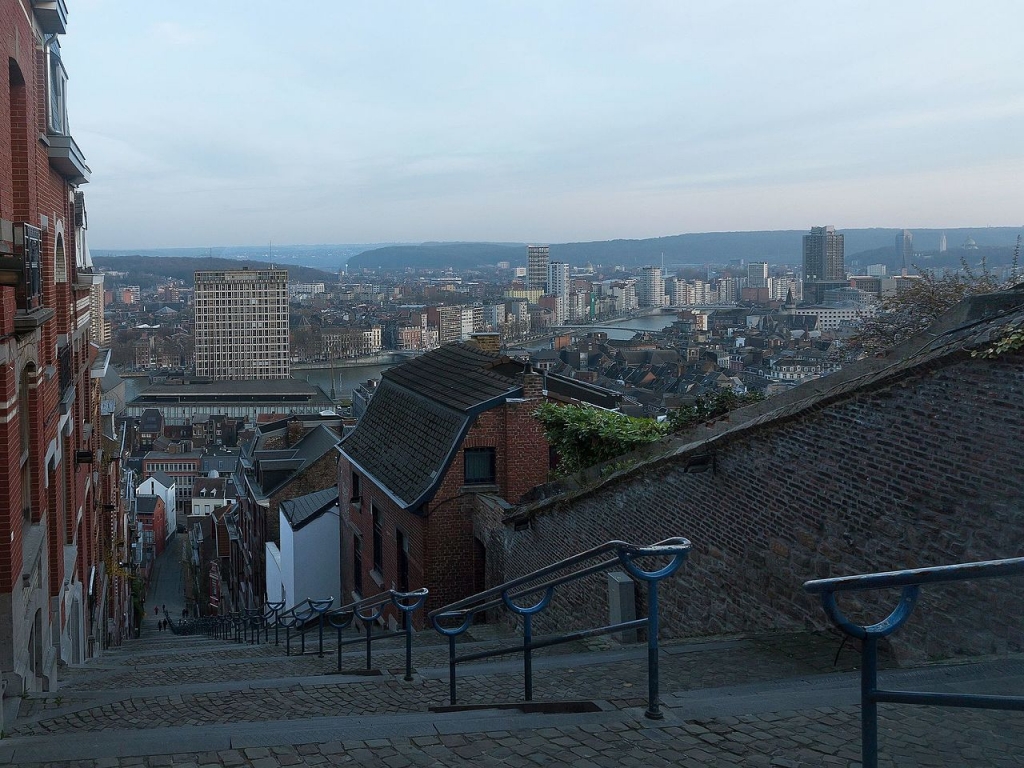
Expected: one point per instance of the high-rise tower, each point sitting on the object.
(823, 255)
(652, 287)
(537, 267)
(904, 249)
(824, 265)
(242, 324)
(558, 285)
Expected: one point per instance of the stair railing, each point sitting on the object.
(369, 610)
(539, 587)
(301, 617)
(910, 582)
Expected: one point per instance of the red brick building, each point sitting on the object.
(52, 514)
(447, 437)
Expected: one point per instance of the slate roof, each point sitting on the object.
(404, 440)
(460, 376)
(305, 509)
(278, 467)
(423, 408)
(151, 421)
(420, 412)
(164, 479)
(146, 505)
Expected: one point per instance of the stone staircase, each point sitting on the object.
(766, 700)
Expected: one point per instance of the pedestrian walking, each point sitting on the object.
(164, 607)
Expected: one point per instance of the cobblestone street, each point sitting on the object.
(771, 700)
(785, 699)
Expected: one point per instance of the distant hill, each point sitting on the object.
(149, 271)
(776, 247)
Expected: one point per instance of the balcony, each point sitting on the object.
(67, 159)
(21, 269)
(52, 16)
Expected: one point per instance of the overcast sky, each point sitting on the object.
(222, 122)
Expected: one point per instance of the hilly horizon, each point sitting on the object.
(774, 246)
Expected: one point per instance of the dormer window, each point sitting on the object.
(57, 80)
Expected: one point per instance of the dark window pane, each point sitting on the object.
(479, 466)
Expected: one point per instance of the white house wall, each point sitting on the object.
(317, 557)
(275, 581)
(287, 565)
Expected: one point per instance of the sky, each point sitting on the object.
(222, 122)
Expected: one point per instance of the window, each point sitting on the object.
(356, 494)
(57, 84)
(479, 466)
(378, 541)
(357, 564)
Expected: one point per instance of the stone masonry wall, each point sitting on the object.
(926, 471)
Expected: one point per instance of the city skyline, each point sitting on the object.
(538, 123)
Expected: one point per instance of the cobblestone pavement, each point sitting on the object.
(600, 676)
(910, 737)
(786, 699)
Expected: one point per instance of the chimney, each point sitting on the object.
(488, 341)
(533, 386)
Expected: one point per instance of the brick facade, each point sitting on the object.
(446, 540)
(925, 469)
(50, 532)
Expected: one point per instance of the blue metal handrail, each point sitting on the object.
(910, 581)
(454, 619)
(369, 610)
(300, 616)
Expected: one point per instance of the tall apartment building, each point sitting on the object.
(904, 249)
(652, 287)
(824, 264)
(757, 274)
(823, 255)
(558, 286)
(59, 510)
(242, 324)
(537, 267)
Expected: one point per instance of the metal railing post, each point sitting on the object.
(320, 652)
(407, 619)
(451, 670)
(369, 641)
(653, 705)
(868, 705)
(528, 655)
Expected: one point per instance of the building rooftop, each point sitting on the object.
(305, 509)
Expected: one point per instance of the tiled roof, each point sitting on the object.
(423, 408)
(164, 479)
(305, 509)
(146, 505)
(460, 376)
(404, 439)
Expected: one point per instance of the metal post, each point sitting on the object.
(275, 626)
(320, 653)
(288, 641)
(653, 710)
(451, 670)
(528, 655)
(339, 649)
(407, 618)
(868, 705)
(369, 641)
